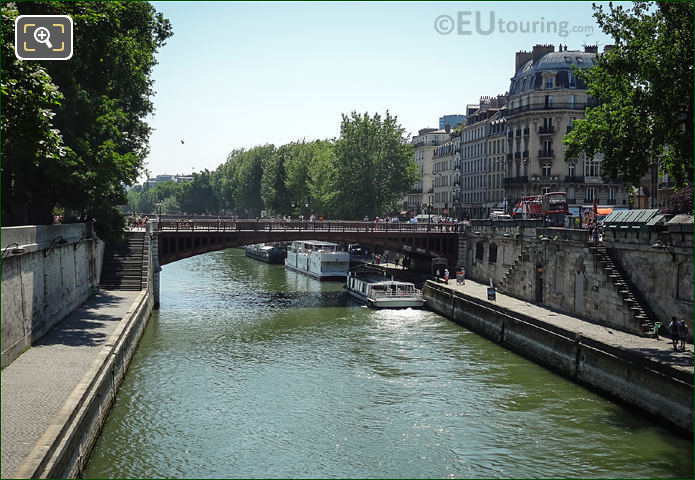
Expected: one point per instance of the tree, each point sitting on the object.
(32, 148)
(644, 88)
(274, 193)
(374, 165)
(106, 87)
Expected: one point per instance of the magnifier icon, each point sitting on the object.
(42, 35)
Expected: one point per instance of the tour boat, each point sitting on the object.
(267, 252)
(379, 292)
(320, 260)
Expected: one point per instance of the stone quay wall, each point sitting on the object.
(663, 275)
(64, 449)
(555, 268)
(653, 387)
(47, 272)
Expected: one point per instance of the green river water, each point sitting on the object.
(252, 371)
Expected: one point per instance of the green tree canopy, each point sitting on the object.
(644, 88)
(374, 165)
(106, 89)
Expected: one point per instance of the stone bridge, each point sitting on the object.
(182, 239)
(173, 240)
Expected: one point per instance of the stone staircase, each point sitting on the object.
(126, 264)
(501, 286)
(632, 297)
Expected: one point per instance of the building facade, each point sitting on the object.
(451, 120)
(421, 196)
(546, 97)
(477, 168)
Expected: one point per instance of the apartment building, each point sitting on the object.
(420, 198)
(496, 164)
(545, 98)
(476, 167)
(444, 176)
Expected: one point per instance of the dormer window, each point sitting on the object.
(579, 59)
(549, 82)
(568, 59)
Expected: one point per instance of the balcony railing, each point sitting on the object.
(545, 153)
(573, 179)
(611, 201)
(546, 130)
(543, 106)
(572, 200)
(515, 180)
(666, 185)
(611, 180)
(545, 178)
(589, 200)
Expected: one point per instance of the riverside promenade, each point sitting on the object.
(43, 386)
(660, 350)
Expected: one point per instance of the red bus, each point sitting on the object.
(551, 206)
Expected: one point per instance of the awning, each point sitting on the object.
(604, 210)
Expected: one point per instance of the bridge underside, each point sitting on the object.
(178, 245)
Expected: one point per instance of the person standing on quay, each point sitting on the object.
(674, 327)
(446, 276)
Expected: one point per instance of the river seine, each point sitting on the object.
(249, 370)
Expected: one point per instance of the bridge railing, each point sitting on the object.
(251, 225)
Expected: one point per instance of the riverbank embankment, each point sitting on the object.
(645, 373)
(57, 394)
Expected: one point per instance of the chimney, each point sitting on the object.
(590, 48)
(540, 50)
(608, 48)
(521, 58)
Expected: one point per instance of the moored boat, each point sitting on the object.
(378, 291)
(267, 252)
(319, 260)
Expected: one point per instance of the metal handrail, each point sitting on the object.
(251, 225)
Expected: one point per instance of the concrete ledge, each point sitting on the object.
(656, 388)
(64, 448)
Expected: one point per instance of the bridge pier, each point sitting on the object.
(156, 267)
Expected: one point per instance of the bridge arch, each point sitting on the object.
(177, 240)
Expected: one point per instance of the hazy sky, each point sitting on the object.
(238, 74)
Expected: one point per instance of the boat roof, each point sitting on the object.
(316, 242)
(376, 278)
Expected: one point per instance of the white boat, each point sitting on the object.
(320, 260)
(379, 292)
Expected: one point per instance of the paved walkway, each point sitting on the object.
(660, 350)
(36, 385)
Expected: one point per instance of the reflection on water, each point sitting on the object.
(249, 370)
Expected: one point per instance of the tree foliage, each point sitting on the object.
(644, 88)
(374, 165)
(365, 172)
(106, 90)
